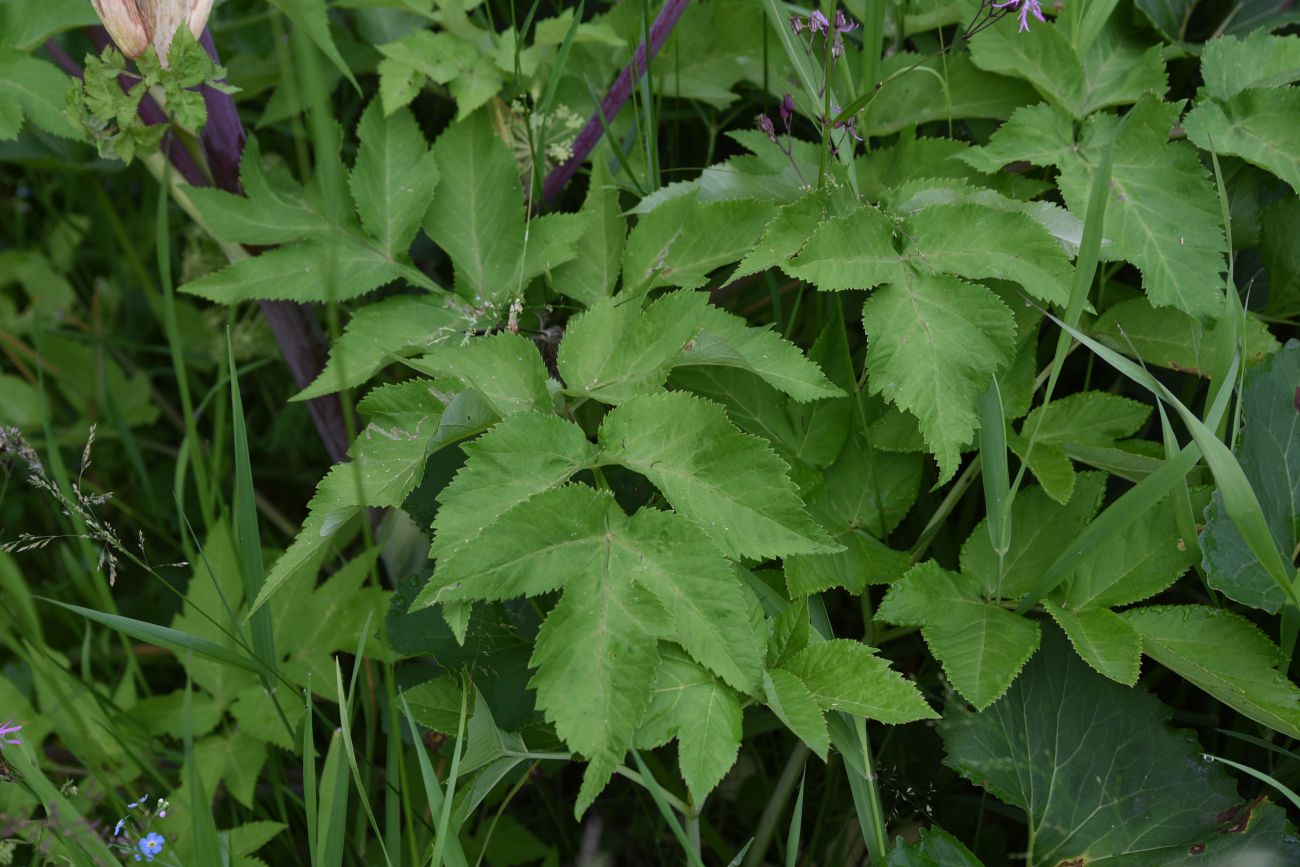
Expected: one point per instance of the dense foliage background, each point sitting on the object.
(876, 440)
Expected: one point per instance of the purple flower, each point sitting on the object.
(787, 110)
(797, 24)
(765, 126)
(843, 24)
(1024, 7)
(818, 23)
(7, 729)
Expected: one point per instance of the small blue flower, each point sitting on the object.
(150, 845)
(117, 829)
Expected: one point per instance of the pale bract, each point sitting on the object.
(137, 24)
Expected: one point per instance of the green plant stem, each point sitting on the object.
(776, 803)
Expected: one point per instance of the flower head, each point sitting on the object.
(135, 24)
(1024, 7)
(817, 22)
(150, 845)
(7, 729)
(843, 24)
(765, 126)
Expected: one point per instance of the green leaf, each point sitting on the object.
(703, 714)
(388, 459)
(447, 59)
(1038, 525)
(1104, 640)
(28, 23)
(848, 676)
(935, 848)
(35, 89)
(1173, 339)
(1163, 214)
(1260, 126)
(680, 242)
(1280, 225)
(1116, 69)
(551, 241)
(1224, 654)
(1097, 772)
(1142, 559)
(339, 270)
(313, 18)
(505, 368)
(934, 344)
(592, 274)
(785, 234)
(730, 484)
(380, 333)
(556, 536)
(851, 252)
(982, 646)
(393, 178)
(1041, 134)
(615, 351)
(477, 215)
(788, 698)
(727, 340)
(267, 213)
(940, 89)
(1268, 449)
(1260, 59)
(522, 456)
(977, 241)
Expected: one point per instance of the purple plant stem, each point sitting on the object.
(613, 101)
(296, 330)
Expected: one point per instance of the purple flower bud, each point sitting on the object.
(843, 24)
(837, 46)
(797, 24)
(787, 110)
(765, 126)
(818, 23)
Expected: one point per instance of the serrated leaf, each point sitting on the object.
(522, 456)
(681, 241)
(982, 646)
(851, 252)
(1139, 561)
(1116, 69)
(785, 234)
(264, 214)
(477, 215)
(730, 484)
(1260, 126)
(393, 178)
(550, 241)
(976, 241)
(1173, 339)
(848, 676)
(787, 697)
(1268, 449)
(615, 351)
(1104, 640)
(727, 340)
(935, 848)
(1163, 214)
(1038, 526)
(1230, 64)
(703, 714)
(934, 344)
(592, 274)
(940, 89)
(339, 270)
(1224, 654)
(469, 73)
(1095, 769)
(505, 368)
(36, 89)
(380, 333)
(541, 544)
(1041, 134)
